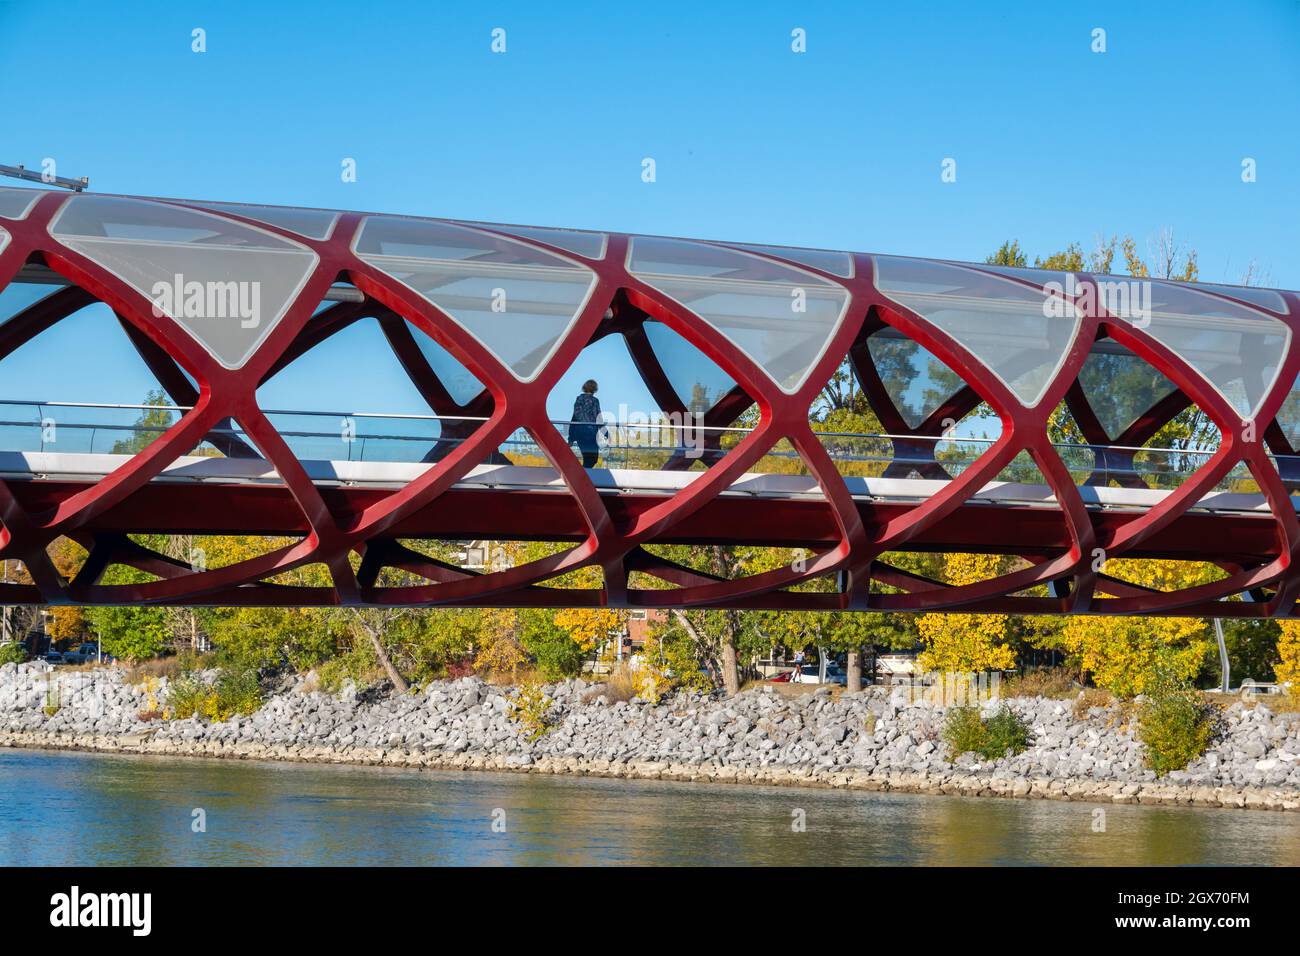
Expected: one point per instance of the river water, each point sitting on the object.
(89, 809)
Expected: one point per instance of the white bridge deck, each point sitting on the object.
(64, 466)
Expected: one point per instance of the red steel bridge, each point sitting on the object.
(969, 368)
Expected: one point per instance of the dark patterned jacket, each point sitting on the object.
(586, 408)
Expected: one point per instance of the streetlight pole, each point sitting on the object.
(1223, 656)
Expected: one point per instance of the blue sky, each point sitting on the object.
(838, 147)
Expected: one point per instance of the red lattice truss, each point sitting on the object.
(847, 536)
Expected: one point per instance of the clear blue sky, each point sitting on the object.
(838, 147)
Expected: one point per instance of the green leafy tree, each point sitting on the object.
(129, 633)
(151, 423)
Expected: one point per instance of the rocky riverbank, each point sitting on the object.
(871, 740)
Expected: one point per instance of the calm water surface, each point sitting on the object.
(88, 809)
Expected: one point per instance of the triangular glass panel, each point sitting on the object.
(917, 382)
(1018, 333)
(781, 318)
(17, 296)
(1288, 416)
(459, 382)
(107, 402)
(1178, 449)
(1237, 350)
(1120, 386)
(371, 414)
(659, 391)
(516, 300)
(227, 284)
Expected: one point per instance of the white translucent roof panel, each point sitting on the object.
(1038, 276)
(1265, 298)
(836, 263)
(1120, 386)
(1004, 324)
(516, 300)
(1236, 349)
(589, 244)
(17, 203)
(916, 381)
(311, 223)
(227, 284)
(780, 317)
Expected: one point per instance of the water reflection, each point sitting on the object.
(64, 809)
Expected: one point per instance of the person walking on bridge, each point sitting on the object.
(583, 424)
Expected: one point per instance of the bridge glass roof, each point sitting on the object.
(516, 300)
(1120, 386)
(1002, 323)
(836, 263)
(694, 377)
(311, 223)
(459, 382)
(1288, 416)
(916, 381)
(17, 203)
(754, 302)
(1265, 298)
(589, 244)
(1236, 349)
(155, 247)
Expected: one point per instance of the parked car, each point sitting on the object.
(782, 678)
(82, 655)
(811, 674)
(54, 657)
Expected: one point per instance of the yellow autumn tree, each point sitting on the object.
(966, 642)
(497, 652)
(67, 624)
(589, 627)
(1124, 654)
(1287, 669)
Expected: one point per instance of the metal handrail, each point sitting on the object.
(610, 449)
(615, 424)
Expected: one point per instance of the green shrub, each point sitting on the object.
(964, 730)
(187, 695)
(1008, 734)
(238, 692)
(558, 656)
(967, 731)
(235, 691)
(531, 710)
(357, 666)
(12, 654)
(1176, 724)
